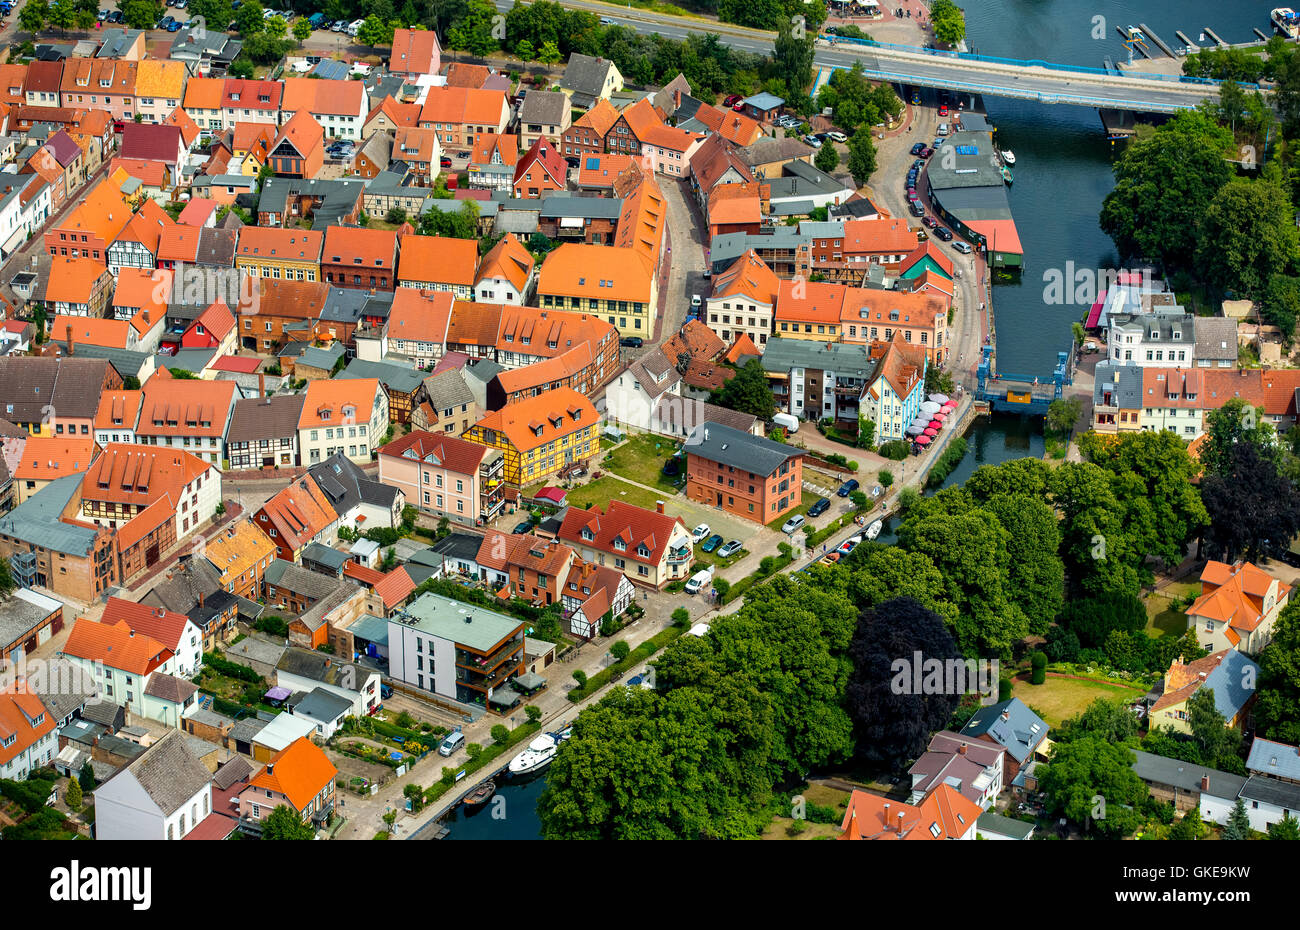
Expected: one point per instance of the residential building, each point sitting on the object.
(816, 380)
(415, 54)
(540, 170)
(174, 630)
(455, 651)
(974, 767)
(263, 432)
(420, 151)
(299, 149)
(77, 287)
(743, 300)
(540, 436)
(298, 515)
(1189, 786)
(649, 547)
(355, 406)
(300, 777)
(27, 621)
(54, 396)
(48, 458)
(619, 286)
(1157, 339)
(525, 566)
(359, 258)
(586, 135)
(893, 397)
(1013, 726)
(944, 814)
(745, 475)
(1238, 607)
(587, 80)
(543, 114)
(445, 476)
(438, 263)
(188, 415)
(127, 482)
(446, 404)
(492, 161)
(337, 106)
(507, 273)
(164, 793)
(460, 115)
(121, 660)
(869, 316)
(28, 736)
(241, 554)
(1277, 760)
(48, 546)
(306, 670)
(273, 252)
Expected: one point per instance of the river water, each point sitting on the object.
(1062, 174)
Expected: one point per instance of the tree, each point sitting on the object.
(1248, 233)
(580, 677)
(1238, 825)
(524, 50)
(284, 823)
(240, 68)
(1092, 619)
(1164, 184)
(1235, 423)
(1062, 414)
(1189, 826)
(216, 13)
(396, 216)
(938, 381)
(1209, 728)
(948, 22)
(33, 15)
(500, 733)
(276, 27)
(249, 18)
(1277, 708)
(681, 616)
(73, 795)
(1088, 769)
(827, 158)
(375, 32)
(748, 392)
(1111, 721)
(1038, 667)
(63, 12)
(86, 777)
(1280, 305)
(792, 59)
(415, 794)
(549, 54)
(1288, 828)
(862, 156)
(620, 650)
(302, 31)
(1253, 507)
(461, 223)
(892, 722)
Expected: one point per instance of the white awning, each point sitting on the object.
(571, 222)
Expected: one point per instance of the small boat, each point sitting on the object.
(538, 755)
(1286, 21)
(563, 734)
(1008, 157)
(481, 794)
(1006, 174)
(874, 529)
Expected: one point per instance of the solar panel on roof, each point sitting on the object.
(967, 150)
(593, 163)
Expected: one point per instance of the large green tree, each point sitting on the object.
(1277, 708)
(1092, 782)
(249, 19)
(862, 156)
(748, 391)
(284, 823)
(792, 58)
(1164, 184)
(1248, 233)
(473, 32)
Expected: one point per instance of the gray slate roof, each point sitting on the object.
(36, 520)
(401, 378)
(1272, 791)
(1019, 734)
(1270, 758)
(585, 76)
(323, 705)
(317, 666)
(295, 578)
(346, 485)
(845, 360)
(561, 206)
(448, 389)
(257, 418)
(1216, 338)
(169, 772)
(1186, 775)
(546, 107)
(1124, 382)
(731, 446)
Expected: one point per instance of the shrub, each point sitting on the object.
(580, 677)
(722, 586)
(681, 616)
(1004, 689)
(896, 449)
(885, 477)
(767, 565)
(473, 750)
(1038, 662)
(500, 733)
(620, 650)
(533, 713)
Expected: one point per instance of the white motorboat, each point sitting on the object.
(1008, 157)
(874, 529)
(538, 755)
(1286, 21)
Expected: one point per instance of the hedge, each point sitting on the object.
(230, 669)
(636, 657)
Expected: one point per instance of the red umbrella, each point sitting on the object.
(941, 416)
(922, 440)
(948, 407)
(931, 432)
(935, 425)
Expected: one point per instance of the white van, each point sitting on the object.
(787, 421)
(455, 739)
(698, 581)
(354, 27)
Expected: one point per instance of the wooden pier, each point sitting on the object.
(1160, 43)
(1139, 46)
(1210, 32)
(1261, 33)
(1186, 41)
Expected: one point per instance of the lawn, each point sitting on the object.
(1059, 699)
(1163, 618)
(641, 459)
(821, 795)
(608, 488)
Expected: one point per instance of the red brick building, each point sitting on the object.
(745, 475)
(359, 258)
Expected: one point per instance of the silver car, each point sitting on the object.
(730, 549)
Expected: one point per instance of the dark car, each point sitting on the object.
(918, 148)
(848, 487)
(732, 100)
(944, 234)
(385, 691)
(927, 152)
(175, 26)
(631, 342)
(915, 207)
(571, 161)
(819, 508)
(523, 527)
(929, 222)
(115, 17)
(711, 543)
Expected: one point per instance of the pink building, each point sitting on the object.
(445, 476)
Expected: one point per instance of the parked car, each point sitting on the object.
(848, 487)
(929, 222)
(943, 129)
(631, 342)
(921, 235)
(606, 21)
(731, 100)
(918, 148)
(942, 233)
(454, 741)
(838, 136)
(711, 543)
(521, 528)
(937, 142)
(444, 162)
(730, 549)
(819, 507)
(962, 246)
(943, 109)
(696, 302)
(116, 16)
(175, 26)
(926, 152)
(385, 691)
(699, 532)
(916, 98)
(181, 4)
(699, 580)
(813, 141)
(914, 206)
(793, 524)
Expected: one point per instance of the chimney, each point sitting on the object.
(961, 750)
(201, 604)
(270, 768)
(1205, 782)
(68, 331)
(146, 316)
(261, 384)
(1006, 715)
(659, 506)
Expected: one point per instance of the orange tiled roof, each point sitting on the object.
(474, 324)
(732, 126)
(166, 626)
(602, 170)
(437, 260)
(461, 105)
(750, 277)
(139, 475)
(523, 550)
(1235, 594)
(463, 74)
(299, 771)
(944, 814)
(1184, 678)
(734, 204)
(576, 269)
(394, 587)
(19, 712)
(323, 95)
(150, 172)
(326, 402)
(809, 302)
(155, 78)
(73, 280)
(364, 248)
(298, 512)
(276, 243)
(102, 212)
(420, 316)
(401, 114)
(143, 288)
(881, 236)
(508, 260)
(45, 458)
(118, 409)
(237, 549)
(872, 305)
(600, 119)
(204, 93)
(535, 421)
(115, 647)
(415, 51)
(505, 146)
(742, 346)
(91, 331)
(302, 132)
(192, 408)
(549, 333)
(634, 526)
(189, 129)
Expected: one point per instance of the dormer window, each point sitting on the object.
(587, 535)
(620, 545)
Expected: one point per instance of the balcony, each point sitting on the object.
(680, 556)
(484, 665)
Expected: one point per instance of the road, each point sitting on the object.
(927, 68)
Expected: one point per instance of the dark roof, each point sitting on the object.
(324, 555)
(323, 705)
(346, 485)
(170, 688)
(1019, 733)
(545, 106)
(237, 769)
(169, 772)
(458, 546)
(731, 446)
(28, 385)
(1270, 790)
(295, 578)
(319, 667)
(105, 713)
(217, 247)
(1186, 775)
(257, 418)
(585, 76)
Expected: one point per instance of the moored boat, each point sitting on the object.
(1286, 21)
(538, 755)
(1006, 174)
(481, 794)
(874, 529)
(1008, 157)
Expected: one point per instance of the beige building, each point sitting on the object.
(444, 476)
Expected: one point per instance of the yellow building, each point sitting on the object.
(540, 436)
(615, 283)
(241, 554)
(1227, 673)
(278, 253)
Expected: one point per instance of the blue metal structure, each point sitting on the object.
(1022, 394)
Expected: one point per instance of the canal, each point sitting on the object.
(1063, 160)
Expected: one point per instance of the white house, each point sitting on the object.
(347, 415)
(1161, 339)
(324, 709)
(162, 795)
(28, 738)
(305, 670)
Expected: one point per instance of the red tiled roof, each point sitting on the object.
(115, 646)
(635, 526)
(440, 449)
